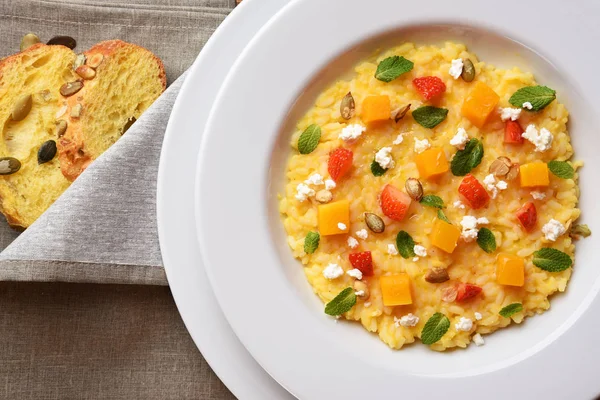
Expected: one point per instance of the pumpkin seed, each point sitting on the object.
(76, 110)
(513, 172)
(86, 72)
(347, 106)
(47, 151)
(95, 60)
(79, 61)
(361, 287)
(437, 275)
(66, 41)
(9, 165)
(61, 127)
(323, 196)
(21, 108)
(401, 113)
(70, 88)
(128, 124)
(500, 166)
(29, 40)
(46, 95)
(468, 72)
(414, 189)
(374, 223)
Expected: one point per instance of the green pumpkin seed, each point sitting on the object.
(66, 41)
(401, 113)
(347, 106)
(61, 127)
(9, 165)
(47, 151)
(79, 61)
(414, 188)
(468, 72)
(21, 108)
(29, 40)
(374, 223)
(70, 88)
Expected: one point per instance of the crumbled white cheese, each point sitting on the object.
(352, 132)
(406, 320)
(360, 293)
(362, 234)
(553, 229)
(355, 273)
(352, 243)
(341, 226)
(421, 145)
(460, 139)
(420, 250)
(456, 68)
(333, 271)
(538, 195)
(314, 179)
(478, 316)
(470, 227)
(528, 105)
(303, 192)
(330, 184)
(391, 249)
(478, 340)
(510, 113)
(542, 139)
(458, 204)
(399, 139)
(384, 159)
(492, 186)
(464, 324)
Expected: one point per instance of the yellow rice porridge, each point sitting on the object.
(444, 220)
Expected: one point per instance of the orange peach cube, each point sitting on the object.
(510, 270)
(395, 289)
(334, 218)
(376, 108)
(479, 104)
(444, 235)
(534, 174)
(432, 162)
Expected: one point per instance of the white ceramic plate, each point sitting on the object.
(177, 233)
(263, 291)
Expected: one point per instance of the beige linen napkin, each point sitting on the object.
(103, 228)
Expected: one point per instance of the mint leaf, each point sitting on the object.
(405, 244)
(429, 116)
(341, 303)
(486, 240)
(538, 96)
(511, 309)
(392, 67)
(562, 169)
(309, 139)
(465, 160)
(435, 328)
(431, 200)
(376, 169)
(551, 260)
(580, 230)
(442, 216)
(311, 242)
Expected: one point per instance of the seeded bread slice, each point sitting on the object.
(38, 71)
(120, 81)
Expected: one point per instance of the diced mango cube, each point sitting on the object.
(534, 174)
(479, 104)
(510, 270)
(334, 215)
(432, 162)
(395, 289)
(376, 108)
(444, 235)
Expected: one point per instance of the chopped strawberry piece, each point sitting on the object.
(394, 202)
(429, 86)
(362, 261)
(473, 192)
(340, 163)
(466, 291)
(527, 216)
(513, 132)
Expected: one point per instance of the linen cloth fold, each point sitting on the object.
(103, 228)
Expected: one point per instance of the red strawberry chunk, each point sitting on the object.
(362, 261)
(429, 86)
(527, 216)
(466, 291)
(340, 163)
(513, 132)
(473, 192)
(394, 203)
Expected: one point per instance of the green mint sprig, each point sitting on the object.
(486, 240)
(551, 260)
(392, 67)
(429, 116)
(309, 139)
(341, 303)
(311, 242)
(442, 216)
(435, 327)
(405, 244)
(466, 160)
(431, 200)
(538, 96)
(511, 310)
(561, 169)
(376, 169)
